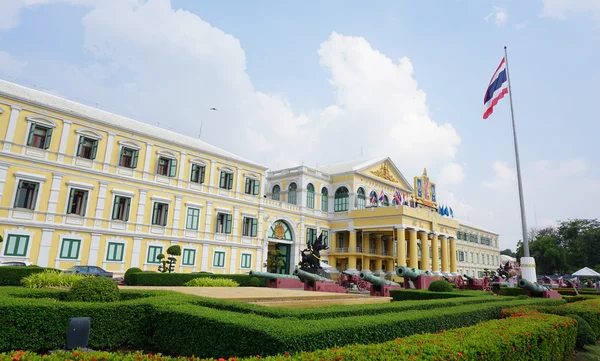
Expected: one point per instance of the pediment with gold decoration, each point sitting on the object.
(387, 171)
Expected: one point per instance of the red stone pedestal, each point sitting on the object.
(285, 283)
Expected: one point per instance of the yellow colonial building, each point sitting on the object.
(80, 186)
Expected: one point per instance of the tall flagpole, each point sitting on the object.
(522, 202)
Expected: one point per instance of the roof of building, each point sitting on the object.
(473, 225)
(350, 166)
(65, 106)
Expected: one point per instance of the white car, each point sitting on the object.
(14, 263)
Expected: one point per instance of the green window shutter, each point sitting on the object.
(166, 217)
(256, 187)
(222, 180)
(31, 133)
(79, 145)
(247, 186)
(193, 175)
(230, 184)
(308, 236)
(134, 159)
(95, 149)
(228, 224)
(127, 206)
(155, 213)
(48, 138)
(173, 171)
(254, 227)
(202, 171)
(115, 213)
(121, 155)
(70, 200)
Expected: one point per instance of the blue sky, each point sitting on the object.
(327, 78)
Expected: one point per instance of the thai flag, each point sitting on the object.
(496, 90)
(397, 198)
(373, 197)
(381, 196)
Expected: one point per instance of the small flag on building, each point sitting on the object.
(381, 196)
(373, 197)
(397, 197)
(496, 90)
(451, 212)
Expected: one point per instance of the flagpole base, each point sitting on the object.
(528, 269)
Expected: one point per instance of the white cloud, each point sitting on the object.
(452, 173)
(499, 15)
(504, 176)
(562, 8)
(171, 74)
(11, 65)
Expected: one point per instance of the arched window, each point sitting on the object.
(360, 196)
(292, 193)
(386, 201)
(341, 200)
(310, 196)
(324, 200)
(276, 194)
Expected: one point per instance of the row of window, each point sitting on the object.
(477, 258)
(341, 199)
(40, 137)
(472, 237)
(77, 205)
(17, 245)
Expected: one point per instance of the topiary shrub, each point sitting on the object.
(128, 273)
(94, 289)
(211, 282)
(585, 334)
(440, 286)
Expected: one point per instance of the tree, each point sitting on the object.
(274, 261)
(508, 252)
(168, 264)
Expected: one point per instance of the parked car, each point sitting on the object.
(90, 271)
(15, 263)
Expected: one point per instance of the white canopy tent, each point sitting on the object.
(586, 272)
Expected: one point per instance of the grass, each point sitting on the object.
(590, 354)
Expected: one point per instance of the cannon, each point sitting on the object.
(348, 280)
(481, 284)
(536, 290)
(313, 282)
(379, 286)
(415, 278)
(275, 280)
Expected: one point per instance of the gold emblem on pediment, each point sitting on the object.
(279, 230)
(384, 172)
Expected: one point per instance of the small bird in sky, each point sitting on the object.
(213, 109)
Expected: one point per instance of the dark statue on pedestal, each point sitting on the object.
(311, 257)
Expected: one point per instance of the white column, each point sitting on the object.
(260, 225)
(233, 261)
(54, 194)
(204, 264)
(109, 148)
(147, 159)
(64, 139)
(212, 177)
(94, 248)
(176, 216)
(236, 219)
(208, 220)
(259, 257)
(265, 252)
(100, 205)
(182, 163)
(331, 202)
(239, 181)
(44, 254)
(12, 126)
(139, 219)
(135, 254)
(263, 185)
(3, 175)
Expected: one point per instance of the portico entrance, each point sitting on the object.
(279, 251)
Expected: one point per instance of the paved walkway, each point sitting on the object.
(251, 293)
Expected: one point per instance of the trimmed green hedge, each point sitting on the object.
(180, 279)
(526, 338)
(413, 295)
(12, 275)
(317, 313)
(163, 323)
(512, 291)
(571, 292)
